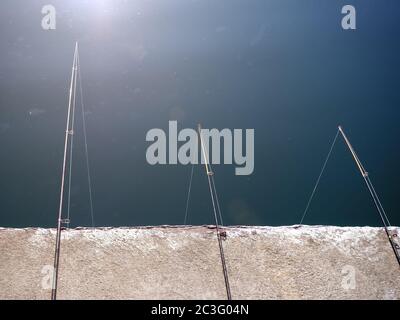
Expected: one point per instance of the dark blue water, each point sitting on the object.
(285, 68)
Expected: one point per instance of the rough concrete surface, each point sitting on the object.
(183, 262)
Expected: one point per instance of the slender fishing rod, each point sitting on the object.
(374, 195)
(214, 199)
(68, 134)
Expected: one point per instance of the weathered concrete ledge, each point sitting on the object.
(182, 262)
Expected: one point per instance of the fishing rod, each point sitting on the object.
(68, 139)
(395, 246)
(215, 204)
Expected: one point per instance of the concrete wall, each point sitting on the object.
(183, 263)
